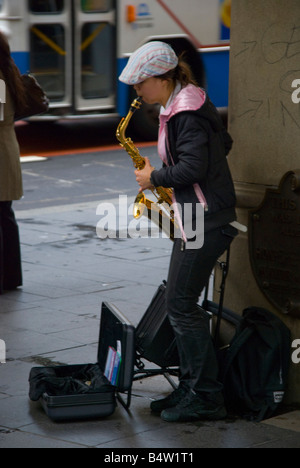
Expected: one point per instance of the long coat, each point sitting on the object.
(11, 187)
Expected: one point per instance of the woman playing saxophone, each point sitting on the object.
(193, 146)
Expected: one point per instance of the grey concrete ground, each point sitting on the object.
(54, 318)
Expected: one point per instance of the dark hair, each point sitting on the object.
(11, 73)
(181, 73)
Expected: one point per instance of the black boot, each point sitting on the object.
(195, 407)
(171, 401)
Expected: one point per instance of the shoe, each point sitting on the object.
(194, 407)
(172, 400)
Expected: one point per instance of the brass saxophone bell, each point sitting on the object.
(139, 206)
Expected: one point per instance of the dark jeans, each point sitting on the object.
(10, 255)
(189, 273)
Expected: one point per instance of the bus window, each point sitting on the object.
(96, 6)
(46, 6)
(97, 60)
(47, 58)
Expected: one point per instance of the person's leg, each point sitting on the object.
(11, 253)
(189, 273)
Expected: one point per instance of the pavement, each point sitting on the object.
(54, 318)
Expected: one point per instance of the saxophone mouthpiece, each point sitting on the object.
(136, 104)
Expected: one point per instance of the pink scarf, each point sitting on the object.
(189, 98)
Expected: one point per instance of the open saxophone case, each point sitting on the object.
(90, 391)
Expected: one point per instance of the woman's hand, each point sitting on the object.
(143, 176)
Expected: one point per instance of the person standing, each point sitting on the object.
(193, 145)
(11, 187)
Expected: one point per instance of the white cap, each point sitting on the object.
(152, 59)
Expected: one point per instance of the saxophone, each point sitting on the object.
(164, 218)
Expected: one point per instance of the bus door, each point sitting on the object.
(72, 53)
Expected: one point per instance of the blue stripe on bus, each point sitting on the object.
(225, 33)
(122, 89)
(224, 30)
(22, 61)
(216, 66)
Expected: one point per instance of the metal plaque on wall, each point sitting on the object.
(274, 242)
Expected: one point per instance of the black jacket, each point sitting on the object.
(199, 144)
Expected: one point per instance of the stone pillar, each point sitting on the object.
(264, 121)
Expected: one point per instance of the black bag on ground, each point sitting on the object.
(254, 369)
(155, 338)
(57, 382)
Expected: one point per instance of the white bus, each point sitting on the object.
(77, 49)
